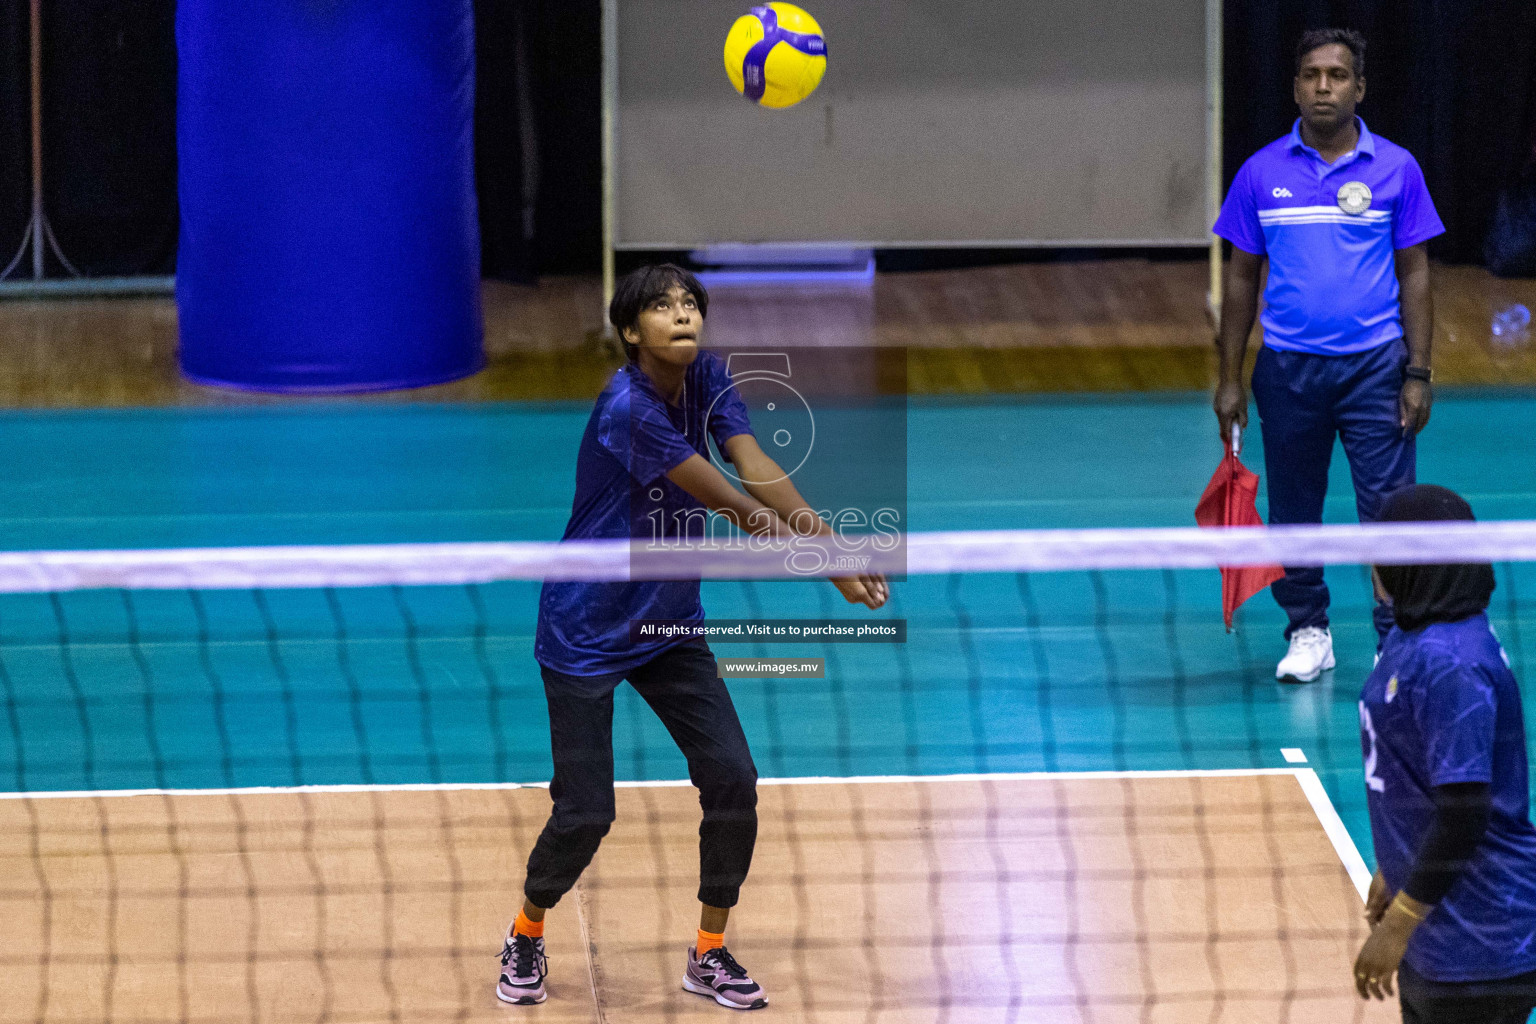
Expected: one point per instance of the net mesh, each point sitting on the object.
(1067, 796)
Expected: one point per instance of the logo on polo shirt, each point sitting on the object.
(1391, 689)
(1355, 198)
(1282, 193)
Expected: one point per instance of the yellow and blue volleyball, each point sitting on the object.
(775, 55)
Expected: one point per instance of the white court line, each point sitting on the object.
(1311, 785)
(1343, 842)
(809, 780)
(261, 791)
(1151, 773)
(404, 787)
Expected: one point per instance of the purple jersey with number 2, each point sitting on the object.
(1440, 707)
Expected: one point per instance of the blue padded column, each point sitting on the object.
(329, 239)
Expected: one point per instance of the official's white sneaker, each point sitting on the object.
(1311, 655)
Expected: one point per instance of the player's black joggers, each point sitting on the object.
(1507, 1001)
(682, 685)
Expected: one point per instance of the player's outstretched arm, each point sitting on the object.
(712, 490)
(768, 483)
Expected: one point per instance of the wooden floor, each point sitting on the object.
(1107, 325)
(1061, 899)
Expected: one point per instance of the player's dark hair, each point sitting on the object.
(639, 288)
(1348, 38)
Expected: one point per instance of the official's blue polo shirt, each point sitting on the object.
(1330, 232)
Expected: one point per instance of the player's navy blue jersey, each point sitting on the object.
(1440, 707)
(633, 439)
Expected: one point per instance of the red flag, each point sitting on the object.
(1229, 500)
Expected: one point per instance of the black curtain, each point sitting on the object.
(1453, 81)
(109, 113)
(567, 69)
(109, 132)
(538, 124)
(506, 141)
(15, 131)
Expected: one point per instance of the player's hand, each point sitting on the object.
(868, 589)
(1414, 405)
(1376, 899)
(1231, 405)
(1383, 952)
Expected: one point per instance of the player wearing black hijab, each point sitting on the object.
(1453, 904)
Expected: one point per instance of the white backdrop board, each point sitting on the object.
(940, 122)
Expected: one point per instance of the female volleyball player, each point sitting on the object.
(1453, 905)
(644, 465)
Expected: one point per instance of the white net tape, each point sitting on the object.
(367, 565)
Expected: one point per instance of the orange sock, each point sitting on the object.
(709, 941)
(523, 926)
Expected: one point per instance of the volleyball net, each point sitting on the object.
(300, 783)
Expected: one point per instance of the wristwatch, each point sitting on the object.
(1422, 373)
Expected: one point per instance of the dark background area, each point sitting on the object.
(1453, 81)
(109, 129)
(538, 122)
(15, 131)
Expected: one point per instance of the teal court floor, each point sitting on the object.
(1057, 672)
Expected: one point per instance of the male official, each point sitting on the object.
(1343, 217)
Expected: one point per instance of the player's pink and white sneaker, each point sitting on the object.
(523, 967)
(717, 974)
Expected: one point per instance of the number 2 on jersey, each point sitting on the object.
(1372, 780)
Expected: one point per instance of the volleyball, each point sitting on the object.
(775, 55)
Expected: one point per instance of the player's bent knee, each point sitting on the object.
(570, 812)
(579, 830)
(729, 786)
